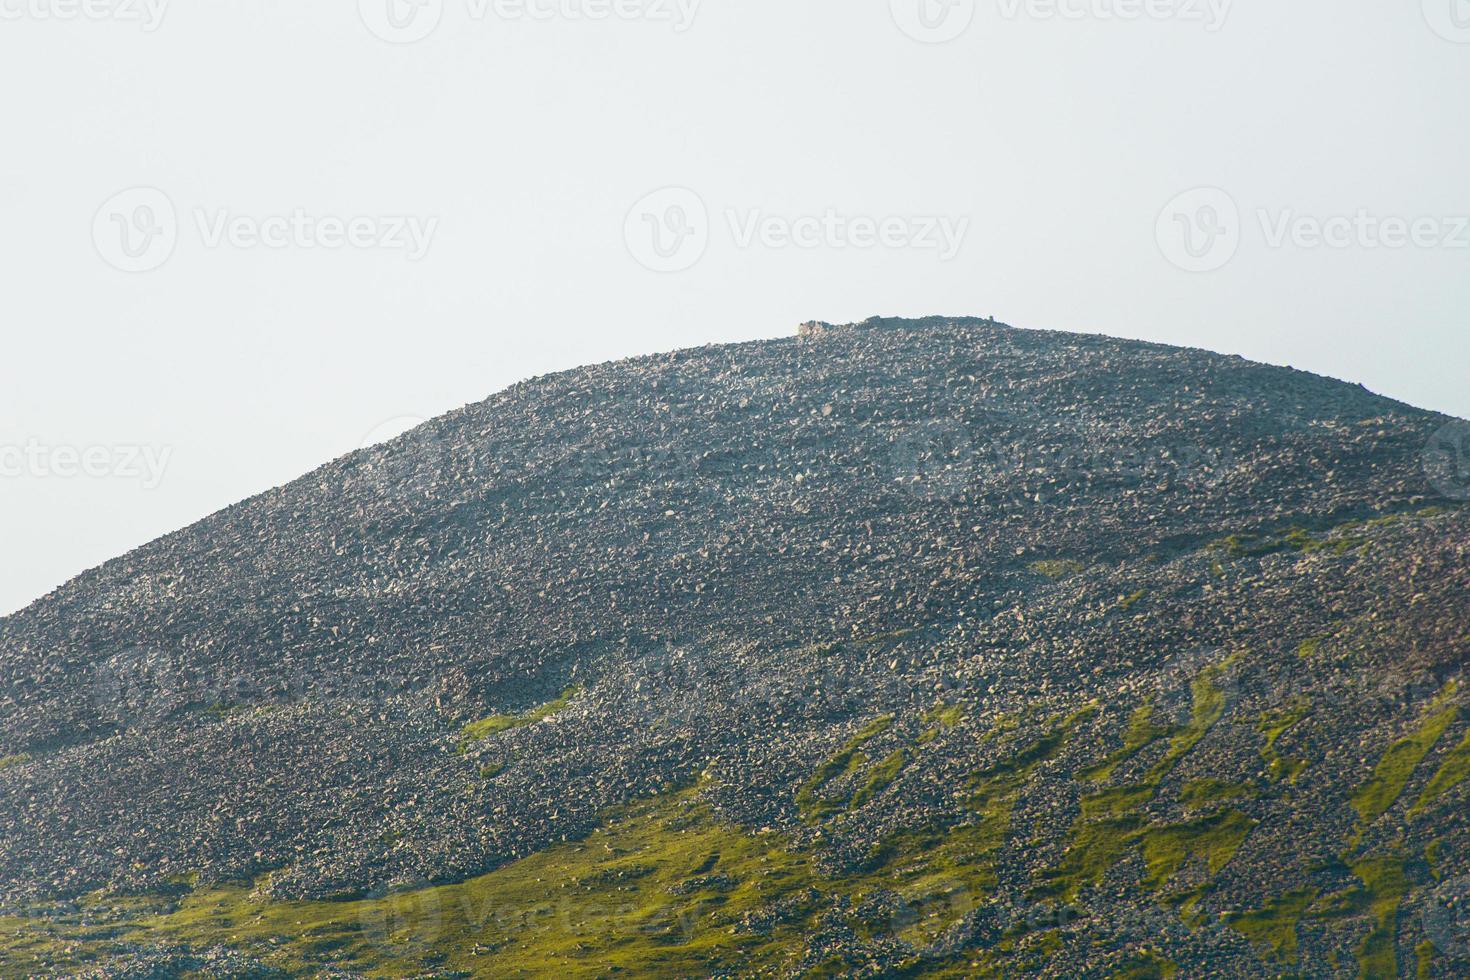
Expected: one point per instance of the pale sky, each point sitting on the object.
(241, 238)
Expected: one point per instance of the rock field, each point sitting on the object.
(1043, 653)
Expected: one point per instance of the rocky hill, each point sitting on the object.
(902, 648)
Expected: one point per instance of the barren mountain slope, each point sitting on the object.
(902, 648)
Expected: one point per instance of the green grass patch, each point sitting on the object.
(1275, 926)
(945, 715)
(18, 759)
(1385, 879)
(1424, 956)
(1202, 792)
(1099, 845)
(1129, 601)
(998, 785)
(1111, 824)
(1452, 772)
(1018, 768)
(1273, 725)
(477, 731)
(1057, 569)
(940, 718)
(1433, 855)
(663, 890)
(1246, 545)
(943, 871)
(880, 778)
(1340, 540)
(848, 759)
(953, 866)
(1208, 708)
(1093, 848)
(1386, 884)
(1147, 966)
(1141, 732)
(1391, 775)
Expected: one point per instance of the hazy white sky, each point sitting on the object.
(240, 237)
